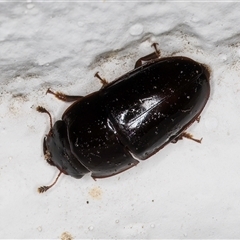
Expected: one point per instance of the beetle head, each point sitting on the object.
(57, 151)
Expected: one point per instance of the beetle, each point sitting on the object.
(129, 119)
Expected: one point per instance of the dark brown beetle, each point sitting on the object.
(129, 119)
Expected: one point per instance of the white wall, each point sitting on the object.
(187, 190)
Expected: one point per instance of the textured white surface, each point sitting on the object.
(187, 190)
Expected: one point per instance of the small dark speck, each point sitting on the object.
(87, 202)
(152, 200)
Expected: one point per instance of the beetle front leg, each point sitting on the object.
(64, 97)
(149, 57)
(186, 135)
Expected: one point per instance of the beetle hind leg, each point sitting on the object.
(186, 135)
(151, 56)
(64, 97)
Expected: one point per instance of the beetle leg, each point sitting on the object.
(186, 135)
(149, 57)
(45, 188)
(64, 97)
(198, 119)
(103, 80)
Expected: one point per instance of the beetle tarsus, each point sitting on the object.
(63, 97)
(102, 80)
(45, 188)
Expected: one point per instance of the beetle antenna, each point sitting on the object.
(45, 188)
(44, 110)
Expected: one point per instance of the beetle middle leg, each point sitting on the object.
(149, 57)
(64, 97)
